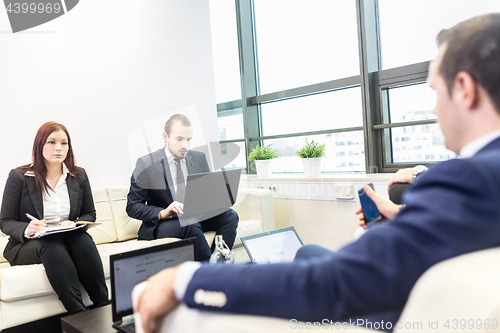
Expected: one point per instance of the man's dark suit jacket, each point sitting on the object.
(152, 189)
(454, 208)
(20, 197)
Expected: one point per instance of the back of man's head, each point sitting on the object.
(176, 117)
(473, 46)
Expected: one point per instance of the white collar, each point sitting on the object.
(171, 157)
(64, 171)
(476, 145)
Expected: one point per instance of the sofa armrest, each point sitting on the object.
(461, 288)
(187, 320)
(256, 204)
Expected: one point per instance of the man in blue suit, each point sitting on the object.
(450, 210)
(157, 190)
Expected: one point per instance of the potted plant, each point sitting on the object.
(262, 157)
(311, 154)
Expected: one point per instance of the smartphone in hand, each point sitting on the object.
(370, 210)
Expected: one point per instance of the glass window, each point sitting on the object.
(339, 158)
(411, 103)
(304, 42)
(231, 126)
(419, 144)
(332, 110)
(225, 50)
(240, 161)
(408, 29)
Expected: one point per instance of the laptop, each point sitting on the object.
(130, 268)
(274, 246)
(209, 194)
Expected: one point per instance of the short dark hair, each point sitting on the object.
(176, 117)
(473, 46)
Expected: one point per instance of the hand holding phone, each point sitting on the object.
(368, 207)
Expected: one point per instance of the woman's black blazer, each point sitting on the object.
(20, 197)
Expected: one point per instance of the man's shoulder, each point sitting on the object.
(151, 158)
(479, 170)
(196, 154)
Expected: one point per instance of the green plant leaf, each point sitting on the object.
(262, 153)
(311, 150)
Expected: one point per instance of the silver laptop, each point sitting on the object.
(130, 268)
(272, 247)
(209, 194)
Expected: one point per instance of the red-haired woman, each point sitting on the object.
(54, 191)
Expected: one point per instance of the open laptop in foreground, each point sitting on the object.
(209, 194)
(130, 268)
(274, 246)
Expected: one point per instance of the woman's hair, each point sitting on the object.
(38, 161)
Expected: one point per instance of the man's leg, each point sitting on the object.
(195, 230)
(168, 228)
(172, 228)
(311, 251)
(224, 224)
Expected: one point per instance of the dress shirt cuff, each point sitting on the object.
(183, 277)
(26, 233)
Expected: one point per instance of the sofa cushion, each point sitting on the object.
(3, 242)
(247, 228)
(21, 282)
(106, 232)
(29, 281)
(256, 204)
(126, 227)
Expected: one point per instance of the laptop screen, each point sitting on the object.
(275, 246)
(131, 268)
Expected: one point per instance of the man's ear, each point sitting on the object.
(165, 136)
(466, 89)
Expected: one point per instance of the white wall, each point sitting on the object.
(104, 69)
(310, 205)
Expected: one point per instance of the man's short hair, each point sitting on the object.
(473, 46)
(176, 117)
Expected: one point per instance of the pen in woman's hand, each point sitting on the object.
(31, 217)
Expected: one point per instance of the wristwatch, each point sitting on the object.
(416, 171)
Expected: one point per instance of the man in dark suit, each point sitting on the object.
(158, 186)
(450, 210)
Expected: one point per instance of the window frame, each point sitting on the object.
(373, 81)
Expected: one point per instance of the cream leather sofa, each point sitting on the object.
(26, 294)
(459, 294)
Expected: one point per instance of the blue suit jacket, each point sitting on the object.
(452, 209)
(152, 189)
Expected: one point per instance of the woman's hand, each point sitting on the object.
(66, 223)
(36, 226)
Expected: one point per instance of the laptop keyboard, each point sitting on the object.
(130, 327)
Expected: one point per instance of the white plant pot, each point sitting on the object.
(312, 167)
(263, 167)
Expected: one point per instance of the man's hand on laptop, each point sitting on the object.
(158, 298)
(175, 207)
